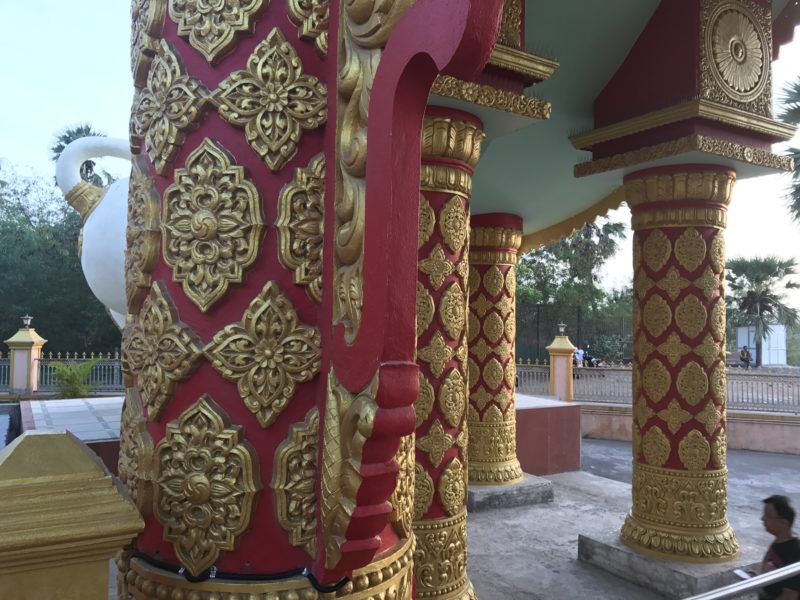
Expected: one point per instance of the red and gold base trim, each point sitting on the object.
(388, 578)
(440, 558)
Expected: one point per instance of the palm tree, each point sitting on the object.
(790, 112)
(69, 135)
(757, 296)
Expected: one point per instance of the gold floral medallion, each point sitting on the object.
(453, 311)
(454, 223)
(452, 488)
(691, 316)
(690, 249)
(135, 467)
(427, 221)
(692, 383)
(435, 443)
(674, 416)
(656, 380)
(657, 315)
(436, 267)
(655, 447)
(452, 397)
(424, 404)
(694, 451)
(656, 250)
(423, 491)
(437, 353)
(493, 281)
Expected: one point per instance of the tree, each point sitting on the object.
(790, 112)
(69, 135)
(756, 294)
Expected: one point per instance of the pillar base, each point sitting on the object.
(442, 541)
(504, 473)
(706, 545)
(531, 490)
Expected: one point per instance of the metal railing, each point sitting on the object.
(106, 374)
(763, 390)
(740, 588)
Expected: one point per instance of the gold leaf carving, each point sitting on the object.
(690, 249)
(656, 250)
(437, 353)
(436, 267)
(294, 480)
(691, 316)
(136, 466)
(481, 397)
(674, 416)
(452, 489)
(717, 321)
(301, 214)
(311, 18)
(453, 311)
(708, 350)
(147, 23)
(473, 371)
(493, 327)
(708, 283)
(142, 235)
(643, 285)
(511, 374)
(211, 224)
(440, 558)
(266, 354)
(160, 349)
(273, 100)
(493, 281)
(692, 383)
(506, 303)
(206, 483)
(656, 380)
(655, 447)
(425, 309)
(694, 451)
(348, 425)
(642, 348)
(493, 374)
(424, 404)
(716, 253)
(212, 26)
(673, 283)
(452, 397)
(657, 315)
(462, 269)
(642, 413)
(435, 443)
(481, 305)
(423, 491)
(479, 348)
(402, 499)
(674, 349)
(427, 221)
(169, 106)
(719, 385)
(709, 417)
(474, 280)
(511, 282)
(719, 447)
(453, 224)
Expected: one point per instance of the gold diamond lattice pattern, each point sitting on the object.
(267, 354)
(206, 483)
(273, 100)
(212, 25)
(212, 224)
(160, 350)
(170, 104)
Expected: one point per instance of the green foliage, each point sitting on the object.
(756, 295)
(72, 378)
(790, 112)
(40, 272)
(610, 348)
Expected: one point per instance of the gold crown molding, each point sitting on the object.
(448, 180)
(525, 63)
(711, 186)
(391, 572)
(680, 217)
(443, 137)
(492, 257)
(487, 96)
(84, 197)
(694, 109)
(495, 237)
(567, 227)
(690, 143)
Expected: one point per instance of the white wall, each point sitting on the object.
(773, 351)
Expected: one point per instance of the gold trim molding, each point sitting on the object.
(84, 198)
(525, 63)
(438, 178)
(690, 143)
(487, 96)
(495, 237)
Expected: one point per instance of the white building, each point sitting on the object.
(773, 350)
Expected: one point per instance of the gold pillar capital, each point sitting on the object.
(452, 137)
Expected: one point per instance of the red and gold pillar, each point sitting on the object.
(679, 389)
(494, 241)
(450, 149)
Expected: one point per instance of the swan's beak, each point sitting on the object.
(84, 197)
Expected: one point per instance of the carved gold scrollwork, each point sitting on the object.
(423, 491)
(311, 18)
(656, 250)
(452, 487)
(691, 316)
(657, 315)
(427, 221)
(453, 311)
(719, 386)
(709, 417)
(673, 349)
(402, 499)
(694, 451)
(655, 446)
(690, 249)
(136, 467)
(673, 283)
(452, 400)
(266, 354)
(674, 416)
(708, 350)
(212, 224)
(437, 353)
(716, 252)
(436, 267)
(167, 107)
(493, 280)
(436, 443)
(717, 320)
(424, 404)
(718, 448)
(211, 27)
(481, 305)
(301, 208)
(440, 558)
(349, 420)
(160, 350)
(142, 234)
(454, 223)
(273, 100)
(147, 22)
(207, 481)
(294, 480)
(493, 327)
(692, 383)
(656, 380)
(425, 309)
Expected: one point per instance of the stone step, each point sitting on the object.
(531, 490)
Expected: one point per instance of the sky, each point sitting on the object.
(72, 66)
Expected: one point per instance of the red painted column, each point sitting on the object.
(494, 241)
(451, 143)
(679, 389)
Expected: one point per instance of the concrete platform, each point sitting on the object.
(548, 435)
(531, 490)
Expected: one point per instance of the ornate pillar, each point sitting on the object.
(679, 475)
(494, 241)
(451, 143)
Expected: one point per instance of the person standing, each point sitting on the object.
(778, 518)
(579, 354)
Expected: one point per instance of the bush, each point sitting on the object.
(72, 378)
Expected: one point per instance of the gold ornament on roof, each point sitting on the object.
(211, 27)
(142, 234)
(207, 480)
(168, 106)
(212, 224)
(273, 100)
(301, 208)
(294, 480)
(311, 18)
(267, 354)
(160, 350)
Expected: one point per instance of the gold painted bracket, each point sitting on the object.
(536, 68)
(487, 96)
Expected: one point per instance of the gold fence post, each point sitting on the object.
(561, 351)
